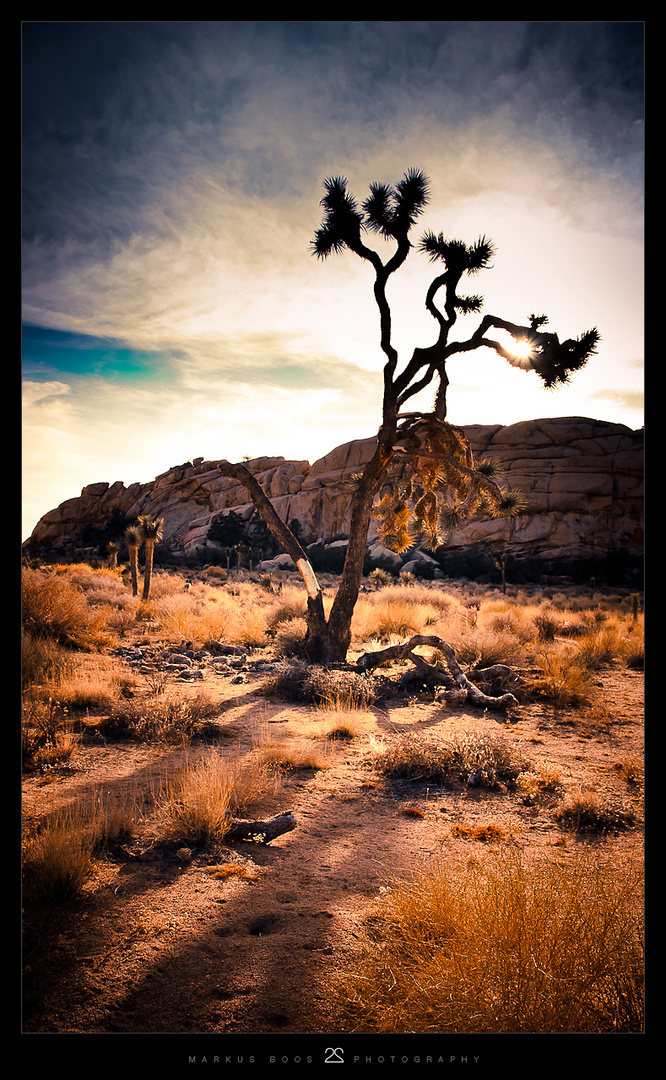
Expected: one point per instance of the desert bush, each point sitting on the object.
(57, 860)
(600, 646)
(170, 720)
(477, 759)
(562, 676)
(43, 661)
(55, 608)
(555, 947)
(326, 688)
(586, 811)
(47, 738)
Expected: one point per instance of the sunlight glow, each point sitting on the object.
(522, 348)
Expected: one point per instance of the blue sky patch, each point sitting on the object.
(48, 352)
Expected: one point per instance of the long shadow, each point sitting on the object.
(227, 980)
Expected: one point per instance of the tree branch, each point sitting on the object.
(466, 688)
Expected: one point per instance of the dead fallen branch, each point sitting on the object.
(261, 832)
(464, 689)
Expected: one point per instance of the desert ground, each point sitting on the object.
(142, 719)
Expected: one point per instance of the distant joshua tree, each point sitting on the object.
(133, 539)
(112, 548)
(151, 534)
(421, 480)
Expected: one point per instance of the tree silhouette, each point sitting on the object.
(151, 534)
(133, 541)
(422, 472)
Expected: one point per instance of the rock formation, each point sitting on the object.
(583, 480)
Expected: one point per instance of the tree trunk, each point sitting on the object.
(134, 569)
(326, 642)
(148, 569)
(317, 644)
(339, 622)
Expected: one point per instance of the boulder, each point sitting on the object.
(582, 478)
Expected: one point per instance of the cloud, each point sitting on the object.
(173, 173)
(37, 393)
(633, 400)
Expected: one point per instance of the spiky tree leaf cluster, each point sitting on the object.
(434, 486)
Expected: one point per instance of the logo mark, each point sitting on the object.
(334, 1055)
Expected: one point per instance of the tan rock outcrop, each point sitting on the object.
(583, 480)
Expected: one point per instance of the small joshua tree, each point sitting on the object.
(133, 541)
(421, 480)
(112, 549)
(151, 534)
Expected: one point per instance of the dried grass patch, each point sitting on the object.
(500, 946)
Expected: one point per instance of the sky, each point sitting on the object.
(172, 177)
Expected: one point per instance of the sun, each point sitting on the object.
(522, 348)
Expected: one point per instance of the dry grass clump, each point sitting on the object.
(501, 947)
(43, 661)
(238, 614)
(163, 719)
(632, 648)
(199, 801)
(288, 605)
(482, 647)
(57, 609)
(57, 861)
(600, 645)
(586, 811)
(563, 677)
(200, 614)
(47, 738)
(633, 770)
(539, 780)
(393, 614)
(59, 851)
(100, 586)
(343, 724)
(487, 834)
(289, 639)
(476, 759)
(203, 798)
(290, 756)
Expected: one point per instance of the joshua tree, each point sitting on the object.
(113, 547)
(133, 540)
(151, 534)
(422, 479)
